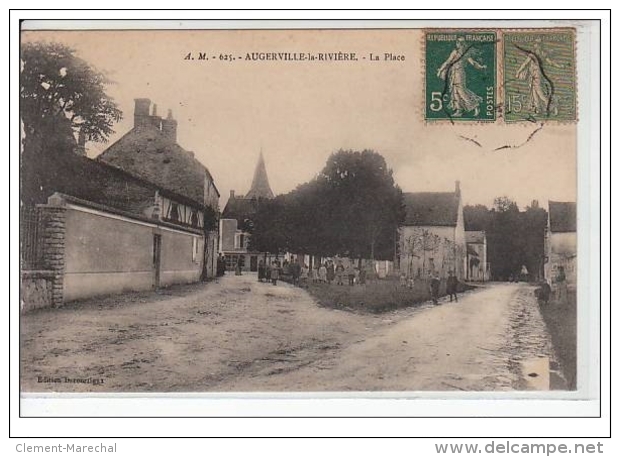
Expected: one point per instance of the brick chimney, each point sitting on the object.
(232, 194)
(141, 117)
(169, 126)
(155, 119)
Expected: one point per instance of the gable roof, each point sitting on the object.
(431, 208)
(148, 153)
(475, 236)
(562, 217)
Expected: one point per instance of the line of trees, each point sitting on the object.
(352, 208)
(514, 238)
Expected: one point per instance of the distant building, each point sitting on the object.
(236, 221)
(561, 241)
(477, 266)
(432, 237)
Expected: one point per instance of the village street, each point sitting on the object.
(237, 334)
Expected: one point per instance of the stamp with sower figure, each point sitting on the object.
(539, 75)
(460, 75)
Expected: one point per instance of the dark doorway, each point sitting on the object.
(156, 260)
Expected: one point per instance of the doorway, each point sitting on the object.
(156, 260)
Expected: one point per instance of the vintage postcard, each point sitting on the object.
(300, 210)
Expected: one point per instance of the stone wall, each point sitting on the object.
(36, 290)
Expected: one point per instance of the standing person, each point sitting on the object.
(543, 292)
(434, 284)
(261, 271)
(451, 285)
(238, 269)
(295, 271)
(363, 275)
(275, 273)
(268, 272)
(303, 278)
(331, 273)
(560, 284)
(221, 265)
(350, 274)
(323, 274)
(339, 273)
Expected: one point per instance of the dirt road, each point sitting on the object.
(241, 335)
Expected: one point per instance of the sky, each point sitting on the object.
(298, 113)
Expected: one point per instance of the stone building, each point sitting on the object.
(478, 268)
(561, 241)
(432, 236)
(150, 151)
(142, 215)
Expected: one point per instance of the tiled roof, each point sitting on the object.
(240, 208)
(431, 208)
(148, 153)
(562, 217)
(474, 236)
(91, 180)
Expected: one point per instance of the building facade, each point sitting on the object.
(561, 242)
(142, 215)
(150, 151)
(478, 269)
(432, 237)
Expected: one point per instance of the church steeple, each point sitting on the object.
(260, 183)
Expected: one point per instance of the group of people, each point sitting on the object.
(327, 272)
(330, 272)
(544, 292)
(271, 272)
(452, 284)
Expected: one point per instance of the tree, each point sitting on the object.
(352, 208)
(364, 204)
(476, 217)
(514, 238)
(503, 204)
(62, 95)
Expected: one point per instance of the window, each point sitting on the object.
(174, 212)
(194, 249)
(240, 239)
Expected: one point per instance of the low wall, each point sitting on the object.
(90, 251)
(106, 254)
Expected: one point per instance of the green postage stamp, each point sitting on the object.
(460, 75)
(539, 75)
